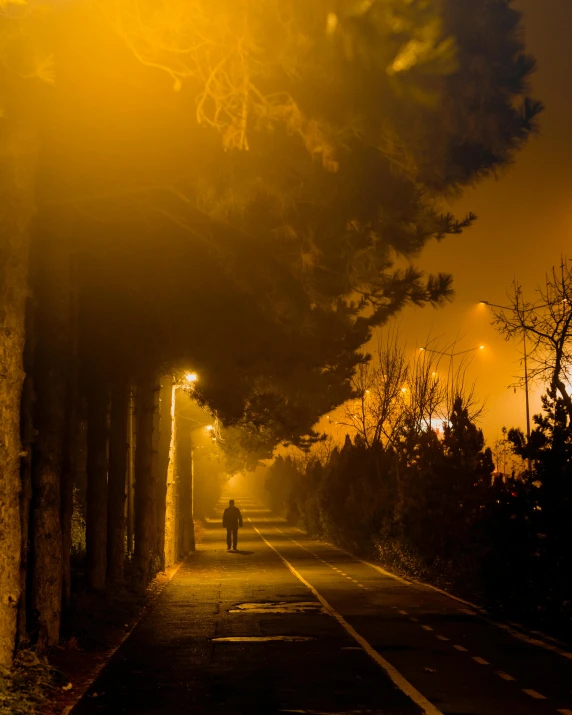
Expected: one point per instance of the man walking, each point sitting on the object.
(231, 520)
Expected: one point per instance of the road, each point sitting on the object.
(293, 625)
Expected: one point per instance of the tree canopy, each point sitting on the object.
(282, 165)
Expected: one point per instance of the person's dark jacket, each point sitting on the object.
(232, 518)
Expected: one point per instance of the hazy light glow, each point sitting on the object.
(191, 377)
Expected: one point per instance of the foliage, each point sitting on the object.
(26, 689)
(545, 321)
(431, 509)
(293, 215)
(549, 503)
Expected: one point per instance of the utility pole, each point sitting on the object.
(527, 401)
(526, 395)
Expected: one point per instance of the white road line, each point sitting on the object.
(427, 628)
(412, 618)
(480, 661)
(402, 683)
(460, 648)
(564, 711)
(477, 610)
(403, 613)
(533, 694)
(442, 638)
(506, 676)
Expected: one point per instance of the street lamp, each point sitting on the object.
(527, 402)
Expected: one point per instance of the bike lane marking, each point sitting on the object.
(395, 676)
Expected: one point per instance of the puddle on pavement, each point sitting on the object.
(261, 639)
(279, 607)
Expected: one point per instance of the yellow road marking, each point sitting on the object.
(533, 694)
(506, 676)
(480, 661)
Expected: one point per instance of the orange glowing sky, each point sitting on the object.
(524, 224)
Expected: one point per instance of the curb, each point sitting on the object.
(85, 686)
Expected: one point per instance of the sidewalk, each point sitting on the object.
(171, 664)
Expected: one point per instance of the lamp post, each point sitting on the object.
(526, 396)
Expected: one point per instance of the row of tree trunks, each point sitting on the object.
(18, 152)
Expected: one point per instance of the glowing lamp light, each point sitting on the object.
(191, 377)
(481, 347)
(209, 428)
(403, 389)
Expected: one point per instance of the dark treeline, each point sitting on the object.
(432, 508)
(248, 210)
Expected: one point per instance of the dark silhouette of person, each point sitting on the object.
(231, 521)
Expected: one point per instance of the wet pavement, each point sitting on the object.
(288, 624)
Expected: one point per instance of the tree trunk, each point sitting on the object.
(117, 481)
(162, 462)
(18, 151)
(171, 550)
(97, 465)
(185, 469)
(51, 280)
(72, 442)
(27, 435)
(131, 474)
(145, 491)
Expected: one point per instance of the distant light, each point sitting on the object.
(403, 389)
(433, 374)
(331, 23)
(209, 428)
(191, 377)
(367, 392)
(483, 302)
(481, 347)
(421, 350)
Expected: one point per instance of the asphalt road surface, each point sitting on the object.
(293, 625)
